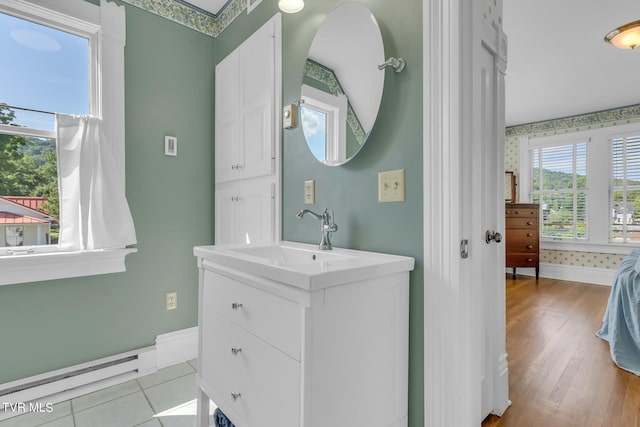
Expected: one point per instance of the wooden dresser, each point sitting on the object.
(522, 236)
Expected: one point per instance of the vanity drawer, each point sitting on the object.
(236, 361)
(271, 318)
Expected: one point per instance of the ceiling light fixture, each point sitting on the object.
(626, 36)
(291, 6)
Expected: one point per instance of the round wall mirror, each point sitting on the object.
(342, 85)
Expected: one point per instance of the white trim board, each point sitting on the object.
(176, 347)
(572, 273)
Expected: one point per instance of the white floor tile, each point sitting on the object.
(172, 394)
(150, 423)
(60, 422)
(166, 374)
(102, 396)
(125, 411)
(36, 418)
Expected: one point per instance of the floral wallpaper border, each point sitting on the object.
(193, 17)
(573, 123)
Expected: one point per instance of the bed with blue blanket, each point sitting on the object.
(621, 322)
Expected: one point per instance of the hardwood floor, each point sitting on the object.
(560, 373)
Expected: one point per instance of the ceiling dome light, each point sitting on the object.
(626, 36)
(291, 6)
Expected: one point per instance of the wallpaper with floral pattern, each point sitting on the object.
(601, 119)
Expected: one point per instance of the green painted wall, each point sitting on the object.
(169, 75)
(351, 190)
(169, 91)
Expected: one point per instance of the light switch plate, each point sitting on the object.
(391, 186)
(309, 192)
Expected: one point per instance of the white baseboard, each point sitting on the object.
(176, 347)
(573, 273)
(170, 349)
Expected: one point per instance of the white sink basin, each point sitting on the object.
(304, 265)
(289, 256)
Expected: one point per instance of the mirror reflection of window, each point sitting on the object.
(315, 131)
(323, 123)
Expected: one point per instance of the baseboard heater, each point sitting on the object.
(41, 390)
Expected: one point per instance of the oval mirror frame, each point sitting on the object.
(342, 84)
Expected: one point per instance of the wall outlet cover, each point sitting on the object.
(171, 300)
(309, 192)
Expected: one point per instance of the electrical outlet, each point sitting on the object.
(391, 186)
(171, 300)
(309, 192)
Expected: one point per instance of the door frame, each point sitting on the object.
(452, 36)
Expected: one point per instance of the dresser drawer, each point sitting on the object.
(239, 362)
(522, 246)
(525, 234)
(512, 223)
(520, 212)
(273, 319)
(522, 260)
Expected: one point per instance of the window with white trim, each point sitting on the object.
(588, 187)
(559, 185)
(89, 79)
(625, 188)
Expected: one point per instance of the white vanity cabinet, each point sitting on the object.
(278, 351)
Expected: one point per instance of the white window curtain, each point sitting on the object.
(94, 213)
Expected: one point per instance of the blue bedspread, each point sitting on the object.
(621, 322)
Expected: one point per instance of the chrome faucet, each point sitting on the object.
(328, 226)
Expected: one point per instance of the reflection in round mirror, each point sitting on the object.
(342, 85)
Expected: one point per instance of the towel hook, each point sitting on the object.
(397, 64)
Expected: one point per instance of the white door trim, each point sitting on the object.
(447, 392)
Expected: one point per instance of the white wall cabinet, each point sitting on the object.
(274, 355)
(245, 212)
(245, 113)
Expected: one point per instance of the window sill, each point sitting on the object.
(61, 265)
(572, 246)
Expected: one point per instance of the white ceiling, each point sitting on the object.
(558, 63)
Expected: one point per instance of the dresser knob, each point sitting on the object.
(529, 234)
(529, 246)
(236, 396)
(236, 305)
(516, 213)
(530, 260)
(529, 223)
(235, 350)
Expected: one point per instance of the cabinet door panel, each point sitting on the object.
(258, 211)
(227, 117)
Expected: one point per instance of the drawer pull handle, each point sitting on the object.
(236, 396)
(529, 234)
(529, 223)
(235, 350)
(517, 213)
(529, 246)
(236, 305)
(529, 260)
